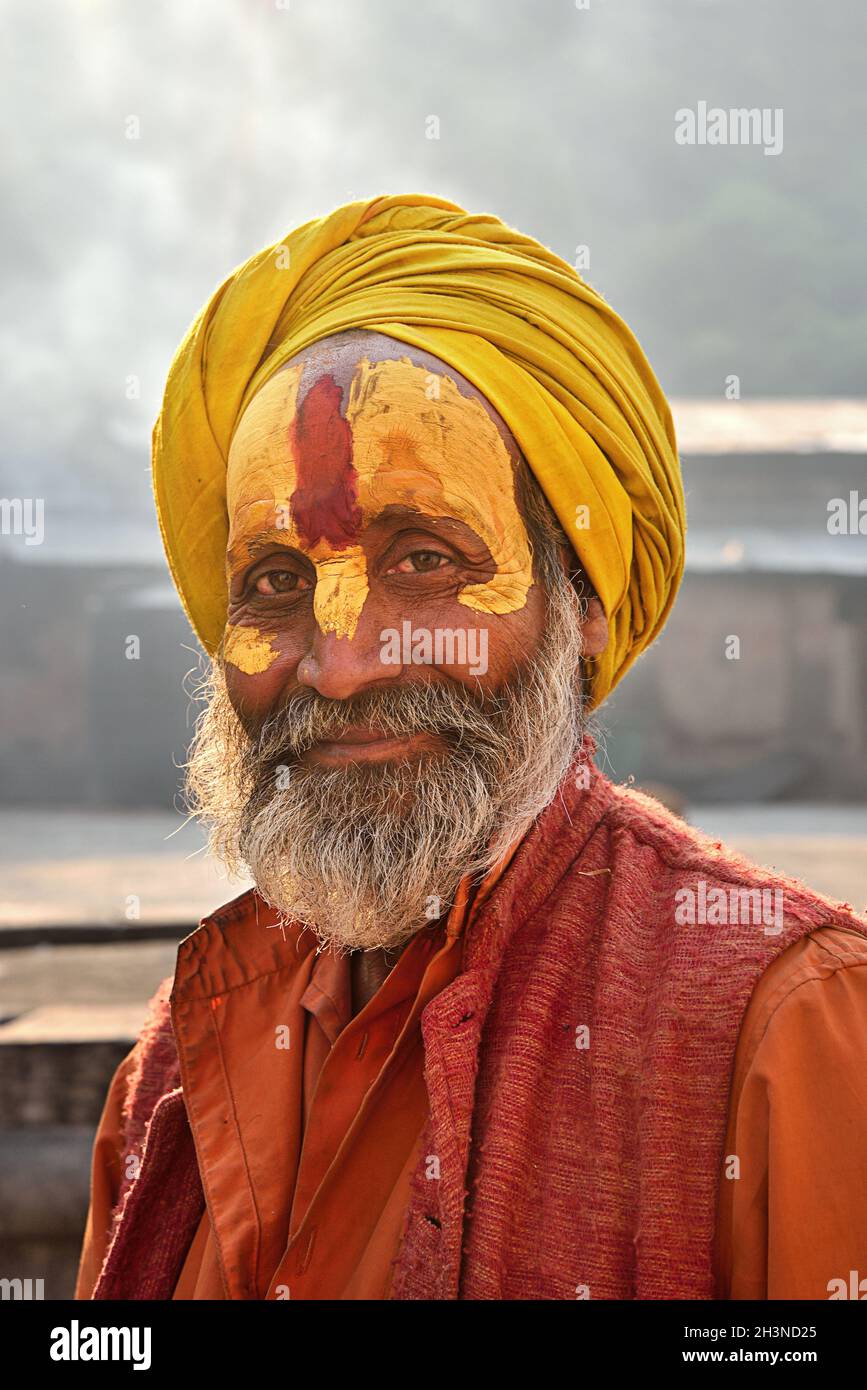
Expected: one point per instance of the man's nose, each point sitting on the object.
(339, 667)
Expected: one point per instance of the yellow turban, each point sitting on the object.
(563, 370)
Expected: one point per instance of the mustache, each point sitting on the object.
(359, 855)
(455, 713)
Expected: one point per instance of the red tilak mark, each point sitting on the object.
(325, 502)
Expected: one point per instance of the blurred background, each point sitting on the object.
(147, 150)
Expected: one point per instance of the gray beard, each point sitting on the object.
(364, 856)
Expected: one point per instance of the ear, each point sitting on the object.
(594, 628)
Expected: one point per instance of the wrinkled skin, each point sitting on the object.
(417, 565)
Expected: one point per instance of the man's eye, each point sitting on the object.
(278, 582)
(422, 562)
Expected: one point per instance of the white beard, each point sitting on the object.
(367, 855)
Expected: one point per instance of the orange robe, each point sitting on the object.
(794, 1201)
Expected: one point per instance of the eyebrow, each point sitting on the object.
(250, 550)
(245, 552)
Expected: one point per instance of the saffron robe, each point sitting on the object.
(608, 1105)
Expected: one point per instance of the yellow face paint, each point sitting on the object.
(443, 457)
(262, 480)
(312, 479)
(341, 588)
(248, 649)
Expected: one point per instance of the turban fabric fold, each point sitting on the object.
(562, 369)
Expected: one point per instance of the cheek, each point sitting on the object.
(496, 646)
(514, 639)
(253, 696)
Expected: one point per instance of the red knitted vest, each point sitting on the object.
(577, 1070)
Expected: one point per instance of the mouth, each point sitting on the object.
(370, 745)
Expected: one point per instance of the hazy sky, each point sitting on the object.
(254, 116)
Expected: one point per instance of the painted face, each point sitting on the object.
(313, 477)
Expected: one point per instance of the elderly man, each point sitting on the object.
(487, 1026)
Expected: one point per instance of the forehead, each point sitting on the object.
(338, 357)
(328, 368)
(347, 429)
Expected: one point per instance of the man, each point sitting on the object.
(488, 1026)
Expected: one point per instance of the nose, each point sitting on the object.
(340, 667)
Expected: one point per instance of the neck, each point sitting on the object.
(368, 970)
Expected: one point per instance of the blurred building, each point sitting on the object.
(93, 685)
(757, 688)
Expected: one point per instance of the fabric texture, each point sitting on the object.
(338, 1112)
(793, 1212)
(562, 1171)
(323, 1127)
(563, 370)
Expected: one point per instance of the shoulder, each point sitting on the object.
(697, 874)
(795, 1220)
(810, 1001)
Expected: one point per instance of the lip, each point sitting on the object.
(366, 745)
(362, 734)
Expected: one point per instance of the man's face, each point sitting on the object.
(368, 491)
(396, 696)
